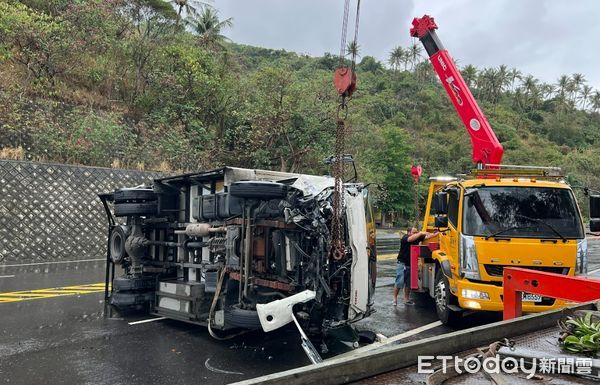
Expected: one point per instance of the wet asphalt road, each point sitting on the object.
(68, 340)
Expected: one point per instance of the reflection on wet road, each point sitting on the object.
(66, 339)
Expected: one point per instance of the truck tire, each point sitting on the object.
(124, 300)
(121, 284)
(242, 318)
(444, 299)
(136, 209)
(134, 195)
(118, 235)
(594, 225)
(258, 190)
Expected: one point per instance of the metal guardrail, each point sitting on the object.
(388, 245)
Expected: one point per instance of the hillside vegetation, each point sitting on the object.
(136, 84)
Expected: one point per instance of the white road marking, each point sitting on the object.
(593, 272)
(7, 276)
(52, 263)
(147, 320)
(213, 369)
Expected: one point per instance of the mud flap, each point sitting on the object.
(276, 314)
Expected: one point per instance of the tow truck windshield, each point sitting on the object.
(521, 212)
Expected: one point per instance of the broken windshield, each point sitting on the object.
(525, 212)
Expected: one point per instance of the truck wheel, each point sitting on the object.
(123, 300)
(135, 209)
(127, 284)
(594, 225)
(258, 190)
(444, 299)
(134, 195)
(118, 235)
(242, 318)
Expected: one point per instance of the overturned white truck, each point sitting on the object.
(238, 248)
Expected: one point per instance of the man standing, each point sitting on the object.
(412, 237)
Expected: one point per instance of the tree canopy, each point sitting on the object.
(155, 84)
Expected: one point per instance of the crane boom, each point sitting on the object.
(486, 147)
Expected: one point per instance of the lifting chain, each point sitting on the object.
(417, 209)
(416, 172)
(347, 86)
(337, 236)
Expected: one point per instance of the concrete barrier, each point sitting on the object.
(385, 359)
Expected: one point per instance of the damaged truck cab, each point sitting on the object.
(238, 248)
(496, 218)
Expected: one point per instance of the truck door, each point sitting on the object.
(449, 238)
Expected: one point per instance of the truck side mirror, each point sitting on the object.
(594, 206)
(441, 222)
(440, 203)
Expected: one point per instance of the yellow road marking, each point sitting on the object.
(51, 292)
(386, 257)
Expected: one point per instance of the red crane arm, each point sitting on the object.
(486, 147)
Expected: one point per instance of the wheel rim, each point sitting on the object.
(117, 246)
(440, 295)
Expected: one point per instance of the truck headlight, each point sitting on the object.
(475, 294)
(581, 263)
(469, 265)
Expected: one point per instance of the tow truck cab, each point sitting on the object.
(526, 220)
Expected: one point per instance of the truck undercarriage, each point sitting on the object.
(212, 248)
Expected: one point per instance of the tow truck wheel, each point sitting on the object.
(444, 299)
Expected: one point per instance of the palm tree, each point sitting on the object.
(190, 7)
(503, 75)
(531, 90)
(208, 26)
(562, 84)
(396, 57)
(571, 89)
(406, 59)
(488, 84)
(514, 75)
(415, 52)
(577, 81)
(469, 74)
(595, 100)
(546, 90)
(352, 48)
(530, 84)
(584, 95)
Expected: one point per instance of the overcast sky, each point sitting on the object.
(546, 38)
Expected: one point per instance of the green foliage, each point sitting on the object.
(38, 42)
(394, 165)
(101, 82)
(581, 334)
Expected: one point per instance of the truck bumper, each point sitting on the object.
(495, 303)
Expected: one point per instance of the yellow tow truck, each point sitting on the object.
(493, 217)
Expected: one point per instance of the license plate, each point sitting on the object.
(527, 297)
